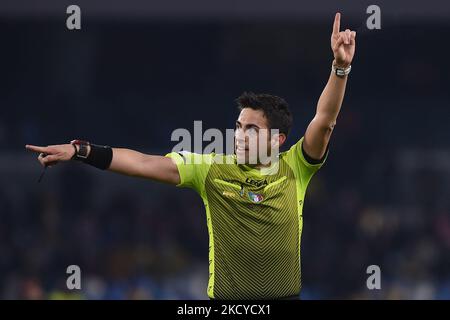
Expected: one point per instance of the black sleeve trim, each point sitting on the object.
(313, 161)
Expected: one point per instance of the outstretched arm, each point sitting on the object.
(124, 161)
(319, 131)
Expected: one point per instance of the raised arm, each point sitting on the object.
(124, 161)
(319, 131)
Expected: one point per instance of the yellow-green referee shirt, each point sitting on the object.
(254, 221)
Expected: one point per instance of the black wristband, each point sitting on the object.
(99, 156)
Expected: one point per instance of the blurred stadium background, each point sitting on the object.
(138, 70)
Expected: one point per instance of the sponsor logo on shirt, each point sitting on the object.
(256, 183)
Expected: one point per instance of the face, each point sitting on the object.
(253, 138)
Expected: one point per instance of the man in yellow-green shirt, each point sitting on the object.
(253, 209)
(254, 220)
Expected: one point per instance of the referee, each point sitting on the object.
(254, 210)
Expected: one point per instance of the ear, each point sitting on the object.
(278, 139)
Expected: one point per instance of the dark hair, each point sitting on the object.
(275, 109)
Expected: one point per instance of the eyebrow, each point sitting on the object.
(251, 125)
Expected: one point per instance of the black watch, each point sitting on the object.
(81, 153)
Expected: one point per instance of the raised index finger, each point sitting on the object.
(337, 23)
(36, 148)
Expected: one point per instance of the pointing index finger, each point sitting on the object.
(36, 148)
(337, 23)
